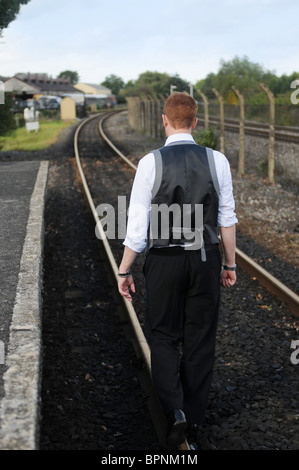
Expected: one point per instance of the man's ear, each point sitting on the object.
(165, 120)
(194, 123)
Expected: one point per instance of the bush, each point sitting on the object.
(207, 138)
(7, 120)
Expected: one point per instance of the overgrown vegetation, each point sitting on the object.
(207, 138)
(7, 120)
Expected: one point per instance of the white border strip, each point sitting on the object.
(20, 405)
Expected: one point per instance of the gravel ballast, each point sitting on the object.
(91, 396)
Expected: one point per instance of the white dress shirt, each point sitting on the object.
(141, 196)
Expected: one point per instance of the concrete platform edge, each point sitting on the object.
(20, 407)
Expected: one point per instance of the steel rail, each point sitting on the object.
(139, 335)
(133, 316)
(272, 284)
(282, 133)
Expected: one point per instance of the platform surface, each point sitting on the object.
(22, 196)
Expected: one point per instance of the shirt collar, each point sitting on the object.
(179, 138)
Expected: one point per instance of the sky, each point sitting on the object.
(97, 38)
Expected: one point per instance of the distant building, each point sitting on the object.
(96, 94)
(91, 89)
(42, 87)
(19, 87)
(30, 85)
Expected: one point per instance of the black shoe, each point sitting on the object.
(192, 436)
(177, 427)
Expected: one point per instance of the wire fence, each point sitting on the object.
(145, 117)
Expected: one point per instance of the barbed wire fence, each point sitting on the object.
(144, 114)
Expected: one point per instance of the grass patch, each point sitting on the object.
(47, 135)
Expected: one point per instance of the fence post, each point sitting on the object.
(131, 111)
(206, 108)
(146, 115)
(142, 114)
(2, 353)
(242, 132)
(271, 157)
(136, 113)
(161, 128)
(159, 118)
(220, 99)
(150, 116)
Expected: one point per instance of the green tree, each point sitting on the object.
(8, 11)
(74, 76)
(282, 84)
(155, 84)
(239, 72)
(114, 83)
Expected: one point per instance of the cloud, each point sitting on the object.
(97, 38)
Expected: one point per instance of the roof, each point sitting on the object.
(93, 89)
(45, 84)
(15, 85)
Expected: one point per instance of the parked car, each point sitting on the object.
(49, 102)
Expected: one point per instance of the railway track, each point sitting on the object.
(139, 341)
(282, 133)
(264, 277)
(136, 333)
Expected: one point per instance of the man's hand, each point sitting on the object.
(125, 284)
(228, 278)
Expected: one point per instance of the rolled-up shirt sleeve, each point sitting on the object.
(226, 211)
(140, 204)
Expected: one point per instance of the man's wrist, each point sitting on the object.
(124, 274)
(229, 268)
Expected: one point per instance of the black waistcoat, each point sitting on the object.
(185, 197)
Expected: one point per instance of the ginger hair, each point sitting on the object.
(180, 109)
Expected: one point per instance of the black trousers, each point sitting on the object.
(182, 304)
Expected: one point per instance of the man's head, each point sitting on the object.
(180, 110)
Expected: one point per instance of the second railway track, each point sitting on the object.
(282, 133)
(253, 402)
